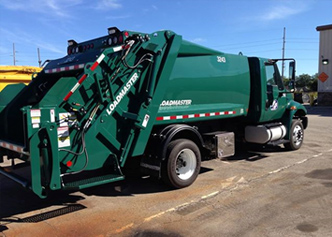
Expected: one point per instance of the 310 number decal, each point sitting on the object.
(221, 59)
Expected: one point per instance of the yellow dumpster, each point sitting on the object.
(16, 74)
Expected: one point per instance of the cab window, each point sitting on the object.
(273, 76)
(270, 75)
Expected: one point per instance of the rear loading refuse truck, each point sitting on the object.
(153, 98)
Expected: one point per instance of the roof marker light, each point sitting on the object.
(113, 30)
(72, 43)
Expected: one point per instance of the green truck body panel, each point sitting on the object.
(103, 102)
(193, 91)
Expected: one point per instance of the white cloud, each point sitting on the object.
(108, 4)
(118, 17)
(50, 47)
(19, 36)
(198, 40)
(283, 11)
(48, 7)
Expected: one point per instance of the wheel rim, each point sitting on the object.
(297, 135)
(185, 164)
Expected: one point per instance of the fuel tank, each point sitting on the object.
(263, 134)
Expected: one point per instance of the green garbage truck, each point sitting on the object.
(152, 98)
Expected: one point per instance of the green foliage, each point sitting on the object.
(305, 82)
(286, 81)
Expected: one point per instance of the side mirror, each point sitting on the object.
(291, 86)
(291, 68)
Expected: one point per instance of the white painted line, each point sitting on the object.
(169, 210)
(319, 154)
(124, 228)
(229, 180)
(277, 170)
(302, 161)
(159, 214)
(210, 195)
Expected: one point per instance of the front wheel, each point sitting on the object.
(182, 165)
(296, 136)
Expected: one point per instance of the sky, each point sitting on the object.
(253, 27)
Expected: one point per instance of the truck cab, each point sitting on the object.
(271, 103)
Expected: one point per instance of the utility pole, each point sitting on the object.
(14, 56)
(39, 61)
(283, 54)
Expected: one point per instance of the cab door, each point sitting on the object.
(275, 96)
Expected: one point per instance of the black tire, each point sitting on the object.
(296, 136)
(182, 164)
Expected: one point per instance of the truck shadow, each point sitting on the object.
(16, 201)
(135, 183)
(253, 152)
(323, 111)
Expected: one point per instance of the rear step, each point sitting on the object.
(14, 147)
(18, 179)
(90, 182)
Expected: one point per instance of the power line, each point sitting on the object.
(302, 42)
(249, 46)
(260, 51)
(249, 42)
(303, 38)
(303, 50)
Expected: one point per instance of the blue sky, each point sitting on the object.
(254, 27)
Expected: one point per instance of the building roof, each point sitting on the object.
(325, 27)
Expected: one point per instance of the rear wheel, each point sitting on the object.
(296, 136)
(183, 163)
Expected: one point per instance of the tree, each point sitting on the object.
(307, 82)
(286, 81)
